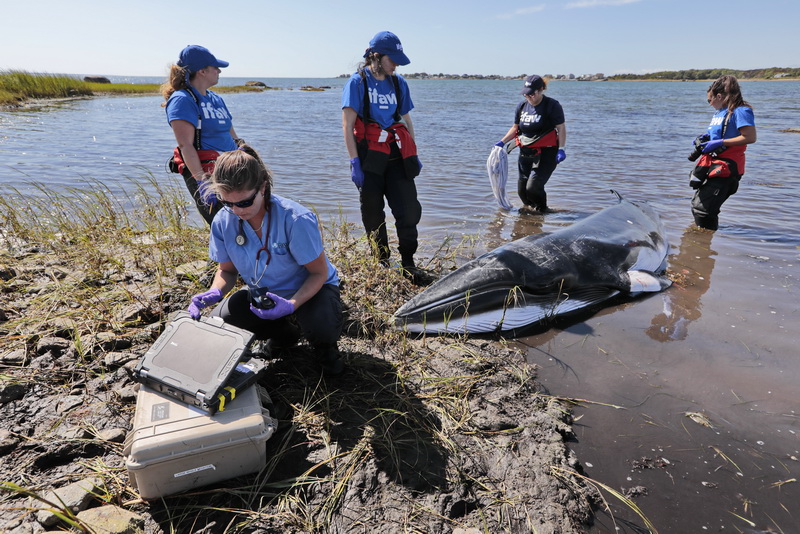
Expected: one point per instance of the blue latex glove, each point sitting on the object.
(206, 193)
(711, 146)
(282, 308)
(560, 156)
(500, 144)
(200, 301)
(356, 174)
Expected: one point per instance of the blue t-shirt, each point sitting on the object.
(536, 120)
(293, 241)
(382, 97)
(215, 119)
(741, 116)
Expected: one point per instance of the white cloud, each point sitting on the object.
(594, 3)
(521, 12)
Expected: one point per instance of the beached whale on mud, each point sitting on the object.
(620, 249)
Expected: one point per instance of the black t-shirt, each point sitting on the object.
(534, 121)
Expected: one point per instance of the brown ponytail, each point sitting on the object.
(175, 82)
(728, 87)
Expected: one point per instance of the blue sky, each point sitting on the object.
(323, 38)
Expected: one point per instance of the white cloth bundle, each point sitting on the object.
(497, 167)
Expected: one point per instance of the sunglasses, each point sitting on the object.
(246, 203)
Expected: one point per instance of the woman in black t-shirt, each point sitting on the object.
(541, 136)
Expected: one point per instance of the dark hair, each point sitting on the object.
(175, 82)
(240, 170)
(373, 61)
(728, 87)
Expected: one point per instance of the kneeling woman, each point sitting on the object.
(276, 246)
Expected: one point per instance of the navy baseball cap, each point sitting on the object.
(533, 83)
(195, 57)
(388, 44)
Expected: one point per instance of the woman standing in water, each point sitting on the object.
(200, 121)
(541, 135)
(721, 166)
(379, 136)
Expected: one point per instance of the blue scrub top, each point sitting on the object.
(293, 241)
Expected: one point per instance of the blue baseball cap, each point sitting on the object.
(388, 44)
(533, 83)
(196, 57)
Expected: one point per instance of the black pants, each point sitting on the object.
(206, 211)
(530, 187)
(708, 200)
(401, 194)
(320, 319)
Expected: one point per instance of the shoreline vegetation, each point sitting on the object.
(19, 87)
(419, 434)
(773, 73)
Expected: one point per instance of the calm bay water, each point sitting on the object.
(722, 344)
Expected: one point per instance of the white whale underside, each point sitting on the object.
(530, 309)
(527, 310)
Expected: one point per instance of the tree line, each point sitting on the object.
(712, 74)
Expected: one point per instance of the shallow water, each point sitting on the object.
(721, 342)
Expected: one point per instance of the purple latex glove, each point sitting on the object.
(560, 156)
(206, 193)
(356, 174)
(282, 308)
(201, 300)
(711, 146)
(500, 144)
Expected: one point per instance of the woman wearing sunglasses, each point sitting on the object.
(275, 245)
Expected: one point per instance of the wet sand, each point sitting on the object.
(720, 344)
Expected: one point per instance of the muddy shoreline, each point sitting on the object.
(422, 435)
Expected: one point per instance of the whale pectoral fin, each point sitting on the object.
(647, 282)
(578, 299)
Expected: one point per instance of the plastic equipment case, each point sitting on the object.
(174, 447)
(194, 360)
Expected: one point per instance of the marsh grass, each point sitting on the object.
(92, 255)
(16, 86)
(397, 427)
(19, 86)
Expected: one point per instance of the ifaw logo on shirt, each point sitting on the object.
(529, 118)
(210, 112)
(382, 101)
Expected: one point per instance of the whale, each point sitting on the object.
(619, 250)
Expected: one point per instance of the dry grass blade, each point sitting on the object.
(566, 473)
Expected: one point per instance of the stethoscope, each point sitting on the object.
(241, 240)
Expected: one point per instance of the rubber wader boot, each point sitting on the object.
(330, 359)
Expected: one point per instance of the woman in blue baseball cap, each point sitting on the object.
(540, 133)
(201, 123)
(379, 136)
